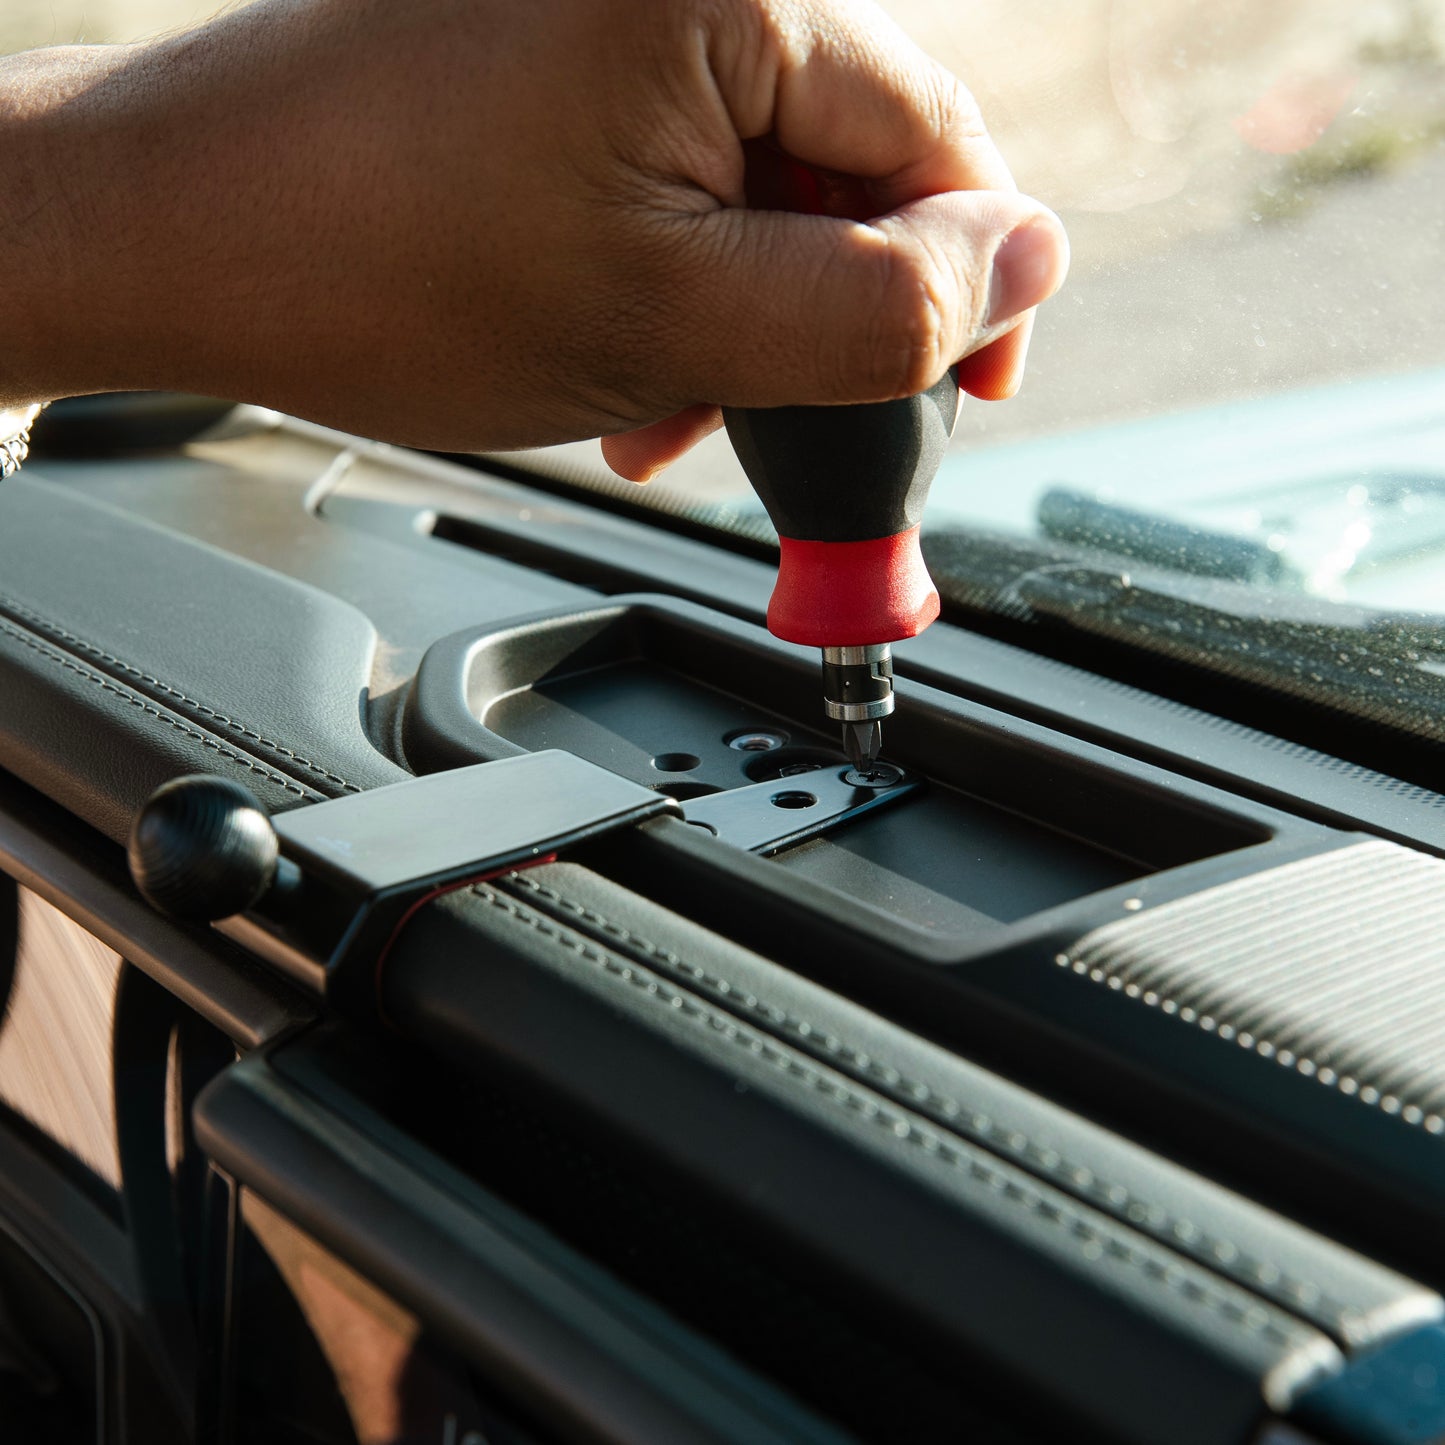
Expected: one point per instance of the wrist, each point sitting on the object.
(25, 256)
(39, 229)
(74, 320)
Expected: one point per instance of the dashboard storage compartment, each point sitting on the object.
(1014, 819)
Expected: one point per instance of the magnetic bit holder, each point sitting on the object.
(321, 891)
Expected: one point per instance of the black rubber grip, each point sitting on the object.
(846, 473)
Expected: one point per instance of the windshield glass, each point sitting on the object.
(1238, 400)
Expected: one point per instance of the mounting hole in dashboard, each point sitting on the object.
(676, 762)
(685, 792)
(789, 763)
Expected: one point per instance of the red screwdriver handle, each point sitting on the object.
(845, 487)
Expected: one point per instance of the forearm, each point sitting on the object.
(122, 261)
(198, 214)
(488, 225)
(44, 222)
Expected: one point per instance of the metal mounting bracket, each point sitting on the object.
(360, 864)
(768, 817)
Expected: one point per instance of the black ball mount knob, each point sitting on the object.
(202, 849)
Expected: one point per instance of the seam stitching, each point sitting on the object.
(81, 645)
(151, 710)
(1254, 1319)
(1408, 1111)
(1113, 1197)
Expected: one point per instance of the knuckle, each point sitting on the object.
(958, 116)
(906, 342)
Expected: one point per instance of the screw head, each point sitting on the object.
(875, 776)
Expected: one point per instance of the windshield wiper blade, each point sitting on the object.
(1385, 669)
(1150, 539)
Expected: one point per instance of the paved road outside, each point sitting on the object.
(1348, 288)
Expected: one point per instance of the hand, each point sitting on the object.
(474, 224)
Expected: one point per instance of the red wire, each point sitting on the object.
(431, 897)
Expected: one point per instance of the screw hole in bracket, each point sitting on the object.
(794, 800)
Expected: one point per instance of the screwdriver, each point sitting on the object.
(845, 487)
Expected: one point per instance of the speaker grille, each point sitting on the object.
(1333, 966)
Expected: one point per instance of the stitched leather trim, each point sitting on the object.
(1209, 1248)
(152, 711)
(173, 695)
(1166, 1271)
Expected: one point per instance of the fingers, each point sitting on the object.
(993, 373)
(640, 455)
(834, 311)
(851, 93)
(996, 371)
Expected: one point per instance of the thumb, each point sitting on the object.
(811, 310)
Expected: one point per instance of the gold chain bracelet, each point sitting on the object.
(15, 448)
(13, 451)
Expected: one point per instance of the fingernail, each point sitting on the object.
(1028, 267)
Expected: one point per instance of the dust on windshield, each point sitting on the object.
(1248, 359)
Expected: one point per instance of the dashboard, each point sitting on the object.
(1087, 1086)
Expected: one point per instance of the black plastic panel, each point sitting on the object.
(1059, 801)
(949, 864)
(690, 1253)
(567, 1345)
(52, 1385)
